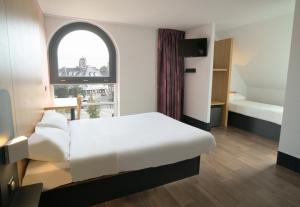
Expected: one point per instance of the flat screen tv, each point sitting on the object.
(193, 47)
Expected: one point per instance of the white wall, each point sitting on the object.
(266, 95)
(197, 87)
(260, 58)
(136, 51)
(290, 131)
(237, 84)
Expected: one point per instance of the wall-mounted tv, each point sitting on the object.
(193, 47)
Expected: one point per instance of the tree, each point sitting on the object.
(93, 110)
(65, 91)
(61, 91)
(76, 90)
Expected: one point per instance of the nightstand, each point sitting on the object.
(27, 196)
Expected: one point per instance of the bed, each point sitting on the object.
(260, 118)
(113, 157)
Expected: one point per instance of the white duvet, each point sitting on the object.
(108, 146)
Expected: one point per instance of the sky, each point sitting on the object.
(82, 43)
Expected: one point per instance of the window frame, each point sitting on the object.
(53, 58)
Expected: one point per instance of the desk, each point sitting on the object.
(64, 103)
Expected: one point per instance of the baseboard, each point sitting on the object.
(288, 161)
(195, 123)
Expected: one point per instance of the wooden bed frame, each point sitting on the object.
(93, 191)
(258, 126)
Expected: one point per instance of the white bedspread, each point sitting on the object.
(108, 146)
(267, 112)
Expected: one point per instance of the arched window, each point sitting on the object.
(81, 53)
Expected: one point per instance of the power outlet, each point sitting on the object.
(11, 184)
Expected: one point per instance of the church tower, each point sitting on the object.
(82, 62)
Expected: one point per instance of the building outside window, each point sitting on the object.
(87, 58)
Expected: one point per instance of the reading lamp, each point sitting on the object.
(15, 149)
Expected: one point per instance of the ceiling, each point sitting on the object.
(179, 14)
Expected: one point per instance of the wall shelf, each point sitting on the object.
(220, 70)
(217, 103)
(221, 78)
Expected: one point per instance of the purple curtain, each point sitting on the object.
(170, 73)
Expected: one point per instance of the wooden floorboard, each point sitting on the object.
(240, 172)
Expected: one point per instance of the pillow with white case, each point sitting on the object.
(236, 97)
(49, 144)
(55, 120)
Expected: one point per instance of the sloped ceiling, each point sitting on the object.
(180, 14)
(261, 51)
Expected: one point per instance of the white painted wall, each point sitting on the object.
(237, 84)
(266, 95)
(136, 67)
(260, 58)
(290, 131)
(197, 87)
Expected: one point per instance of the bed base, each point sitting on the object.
(101, 189)
(257, 126)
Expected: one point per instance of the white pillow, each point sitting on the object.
(55, 120)
(49, 144)
(236, 97)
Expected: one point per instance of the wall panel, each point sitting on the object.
(5, 72)
(23, 67)
(28, 62)
(197, 86)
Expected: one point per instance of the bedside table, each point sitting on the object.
(27, 196)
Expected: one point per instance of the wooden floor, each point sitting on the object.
(241, 171)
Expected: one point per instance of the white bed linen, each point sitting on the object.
(267, 112)
(107, 146)
(51, 174)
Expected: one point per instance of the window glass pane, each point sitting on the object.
(98, 99)
(82, 53)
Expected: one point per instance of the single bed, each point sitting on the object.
(260, 118)
(112, 157)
